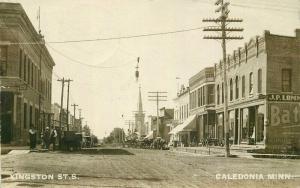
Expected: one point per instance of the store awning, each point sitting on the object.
(149, 135)
(188, 125)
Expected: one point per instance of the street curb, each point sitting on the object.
(235, 154)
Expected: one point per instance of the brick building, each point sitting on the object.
(25, 74)
(263, 92)
(202, 103)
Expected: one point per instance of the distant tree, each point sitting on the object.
(115, 136)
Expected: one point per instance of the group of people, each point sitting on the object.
(48, 137)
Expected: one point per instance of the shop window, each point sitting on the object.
(30, 115)
(3, 60)
(231, 89)
(286, 80)
(251, 83)
(236, 87)
(259, 81)
(25, 115)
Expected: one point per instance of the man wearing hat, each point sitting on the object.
(53, 136)
(46, 138)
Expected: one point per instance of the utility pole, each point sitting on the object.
(222, 22)
(61, 101)
(157, 97)
(80, 120)
(68, 94)
(61, 109)
(74, 118)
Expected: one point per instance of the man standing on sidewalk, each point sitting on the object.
(46, 138)
(32, 137)
(53, 137)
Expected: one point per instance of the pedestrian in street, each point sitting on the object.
(32, 137)
(46, 138)
(53, 136)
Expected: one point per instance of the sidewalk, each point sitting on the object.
(235, 151)
(6, 148)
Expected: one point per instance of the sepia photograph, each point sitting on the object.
(150, 93)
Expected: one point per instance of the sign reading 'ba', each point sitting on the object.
(284, 113)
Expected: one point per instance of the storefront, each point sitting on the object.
(246, 124)
(6, 118)
(206, 126)
(185, 134)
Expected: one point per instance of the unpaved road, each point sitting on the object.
(144, 168)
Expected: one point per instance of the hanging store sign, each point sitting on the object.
(283, 97)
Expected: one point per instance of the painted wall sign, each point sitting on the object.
(284, 113)
(283, 97)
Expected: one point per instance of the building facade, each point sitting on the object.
(202, 103)
(261, 76)
(166, 117)
(181, 109)
(181, 113)
(26, 76)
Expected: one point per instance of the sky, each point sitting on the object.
(103, 72)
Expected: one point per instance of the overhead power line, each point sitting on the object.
(114, 38)
(274, 8)
(88, 65)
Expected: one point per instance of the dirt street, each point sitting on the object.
(145, 168)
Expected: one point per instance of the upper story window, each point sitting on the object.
(25, 67)
(20, 63)
(210, 94)
(251, 83)
(199, 97)
(203, 95)
(286, 80)
(259, 81)
(3, 60)
(231, 89)
(218, 94)
(243, 86)
(222, 92)
(236, 87)
(187, 110)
